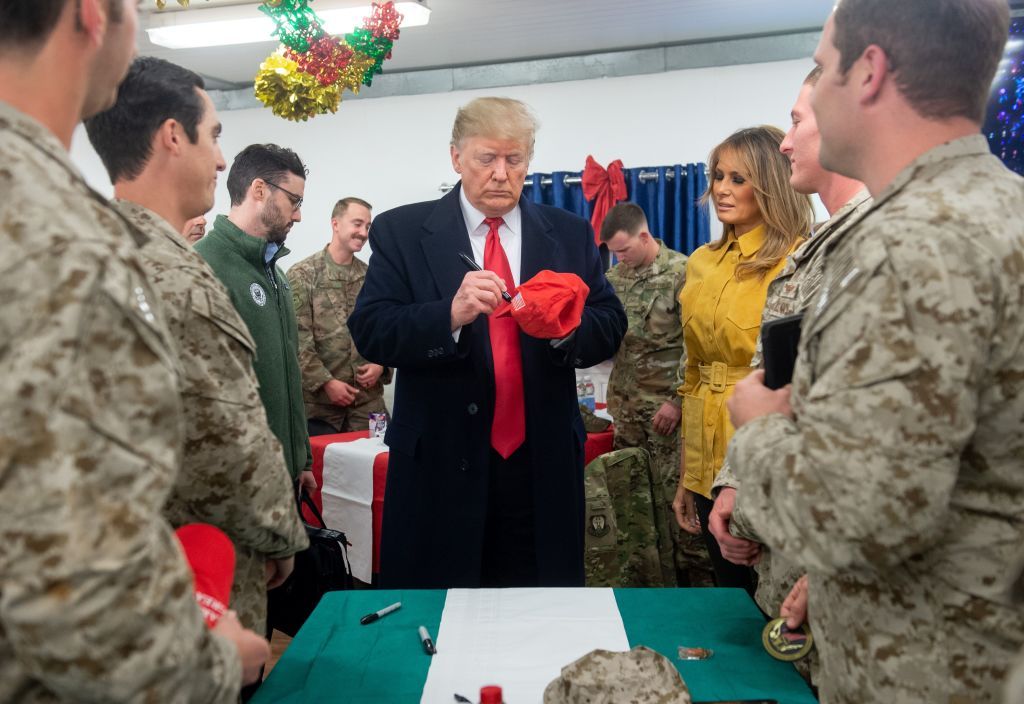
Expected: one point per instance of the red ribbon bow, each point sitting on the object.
(607, 186)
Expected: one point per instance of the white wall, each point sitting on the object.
(392, 151)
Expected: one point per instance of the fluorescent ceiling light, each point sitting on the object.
(245, 24)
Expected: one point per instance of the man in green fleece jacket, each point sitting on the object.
(266, 184)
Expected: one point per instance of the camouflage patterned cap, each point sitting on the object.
(640, 676)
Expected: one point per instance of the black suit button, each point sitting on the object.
(464, 465)
(472, 409)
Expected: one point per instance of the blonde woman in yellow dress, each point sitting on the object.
(726, 283)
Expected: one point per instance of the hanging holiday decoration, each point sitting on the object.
(325, 60)
(352, 75)
(297, 26)
(306, 75)
(363, 42)
(384, 21)
(291, 93)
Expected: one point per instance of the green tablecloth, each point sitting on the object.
(334, 659)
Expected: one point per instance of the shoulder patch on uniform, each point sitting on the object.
(598, 526)
(259, 296)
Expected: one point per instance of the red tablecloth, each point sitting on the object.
(597, 444)
(319, 443)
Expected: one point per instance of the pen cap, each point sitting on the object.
(491, 694)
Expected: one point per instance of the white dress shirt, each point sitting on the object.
(510, 234)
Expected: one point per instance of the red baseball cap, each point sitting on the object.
(549, 306)
(211, 555)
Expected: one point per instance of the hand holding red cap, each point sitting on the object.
(549, 306)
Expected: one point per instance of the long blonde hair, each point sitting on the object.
(787, 215)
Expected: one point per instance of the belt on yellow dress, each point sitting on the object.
(719, 375)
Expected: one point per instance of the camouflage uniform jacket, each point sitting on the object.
(96, 600)
(324, 293)
(233, 475)
(899, 486)
(649, 366)
(621, 540)
(792, 292)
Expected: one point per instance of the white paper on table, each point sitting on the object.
(519, 639)
(347, 495)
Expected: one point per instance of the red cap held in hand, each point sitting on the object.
(211, 555)
(549, 306)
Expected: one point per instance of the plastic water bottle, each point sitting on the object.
(588, 399)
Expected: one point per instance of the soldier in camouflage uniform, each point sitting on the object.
(621, 546)
(792, 292)
(646, 372)
(894, 470)
(97, 601)
(340, 388)
(233, 475)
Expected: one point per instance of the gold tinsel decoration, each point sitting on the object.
(351, 76)
(292, 94)
(161, 4)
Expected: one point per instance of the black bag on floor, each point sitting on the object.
(321, 568)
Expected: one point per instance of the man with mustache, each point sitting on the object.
(340, 388)
(266, 184)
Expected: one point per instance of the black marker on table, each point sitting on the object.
(476, 267)
(370, 618)
(428, 645)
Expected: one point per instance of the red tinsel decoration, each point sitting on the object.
(384, 21)
(325, 60)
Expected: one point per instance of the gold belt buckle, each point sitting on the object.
(719, 376)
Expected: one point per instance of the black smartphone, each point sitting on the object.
(780, 340)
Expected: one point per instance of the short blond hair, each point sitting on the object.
(495, 118)
(342, 205)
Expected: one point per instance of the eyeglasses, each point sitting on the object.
(296, 200)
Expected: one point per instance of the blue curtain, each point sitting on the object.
(671, 206)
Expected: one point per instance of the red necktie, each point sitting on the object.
(508, 429)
